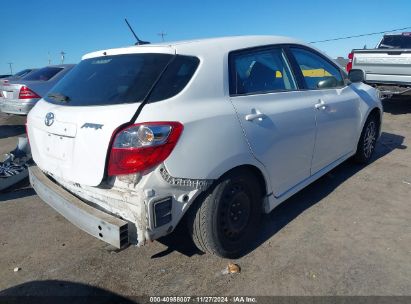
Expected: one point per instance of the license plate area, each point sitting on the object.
(8, 94)
(58, 147)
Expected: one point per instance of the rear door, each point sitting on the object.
(278, 119)
(337, 107)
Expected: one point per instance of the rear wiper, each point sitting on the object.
(59, 97)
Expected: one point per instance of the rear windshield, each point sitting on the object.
(43, 74)
(22, 73)
(121, 79)
(395, 42)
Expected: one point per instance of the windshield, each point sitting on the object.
(395, 42)
(121, 79)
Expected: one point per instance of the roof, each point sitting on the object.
(199, 46)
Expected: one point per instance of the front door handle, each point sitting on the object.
(251, 117)
(321, 105)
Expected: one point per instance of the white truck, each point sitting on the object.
(388, 66)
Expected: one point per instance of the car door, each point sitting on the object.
(337, 107)
(278, 120)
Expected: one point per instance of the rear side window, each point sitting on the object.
(175, 78)
(43, 74)
(317, 72)
(260, 71)
(118, 79)
(396, 42)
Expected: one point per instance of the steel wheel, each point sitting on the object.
(224, 220)
(235, 211)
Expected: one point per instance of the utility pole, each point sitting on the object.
(49, 58)
(62, 56)
(11, 68)
(162, 34)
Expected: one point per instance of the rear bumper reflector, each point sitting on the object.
(162, 212)
(99, 224)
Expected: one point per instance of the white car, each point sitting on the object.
(220, 130)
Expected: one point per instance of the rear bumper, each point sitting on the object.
(388, 79)
(12, 106)
(99, 224)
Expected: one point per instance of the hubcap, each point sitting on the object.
(369, 139)
(235, 212)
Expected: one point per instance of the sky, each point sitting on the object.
(34, 31)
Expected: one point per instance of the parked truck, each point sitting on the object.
(388, 66)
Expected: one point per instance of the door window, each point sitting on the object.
(318, 73)
(260, 71)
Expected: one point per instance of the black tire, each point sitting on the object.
(224, 219)
(368, 140)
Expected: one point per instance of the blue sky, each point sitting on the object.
(33, 28)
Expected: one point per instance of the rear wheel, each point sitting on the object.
(224, 220)
(368, 140)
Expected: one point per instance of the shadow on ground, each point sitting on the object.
(398, 105)
(59, 292)
(285, 213)
(11, 130)
(7, 195)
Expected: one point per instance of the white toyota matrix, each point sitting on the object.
(217, 131)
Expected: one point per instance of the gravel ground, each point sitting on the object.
(349, 233)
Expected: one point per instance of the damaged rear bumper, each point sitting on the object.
(99, 224)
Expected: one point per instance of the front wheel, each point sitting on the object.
(368, 140)
(224, 220)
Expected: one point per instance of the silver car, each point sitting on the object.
(19, 96)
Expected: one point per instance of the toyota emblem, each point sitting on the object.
(49, 119)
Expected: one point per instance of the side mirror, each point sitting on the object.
(356, 75)
(330, 82)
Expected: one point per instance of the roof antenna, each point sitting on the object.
(139, 42)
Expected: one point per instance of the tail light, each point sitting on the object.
(26, 93)
(142, 146)
(350, 60)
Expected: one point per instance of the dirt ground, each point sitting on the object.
(349, 233)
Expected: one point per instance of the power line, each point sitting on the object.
(362, 35)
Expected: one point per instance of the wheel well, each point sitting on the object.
(377, 113)
(256, 172)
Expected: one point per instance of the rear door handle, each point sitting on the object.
(256, 115)
(321, 105)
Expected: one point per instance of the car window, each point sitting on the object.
(259, 72)
(43, 74)
(22, 73)
(175, 78)
(318, 72)
(396, 42)
(122, 79)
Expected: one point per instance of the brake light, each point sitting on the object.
(26, 93)
(142, 146)
(350, 60)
